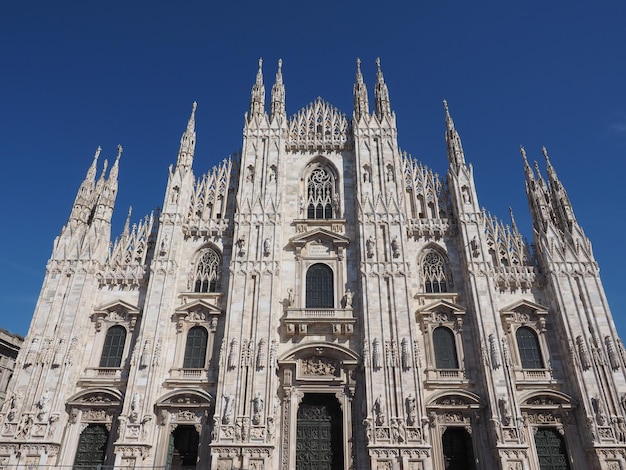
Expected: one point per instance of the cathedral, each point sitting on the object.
(320, 300)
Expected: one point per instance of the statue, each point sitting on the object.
(348, 297)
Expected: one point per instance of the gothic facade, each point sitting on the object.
(320, 300)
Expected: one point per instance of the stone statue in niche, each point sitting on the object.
(369, 245)
(267, 247)
(395, 247)
(379, 410)
(290, 297)
(411, 410)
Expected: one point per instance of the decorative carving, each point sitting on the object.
(369, 246)
(228, 409)
(348, 298)
(610, 349)
(379, 410)
(257, 408)
(494, 351)
(261, 355)
(319, 365)
(405, 355)
(583, 354)
(232, 354)
(411, 410)
(395, 247)
(376, 354)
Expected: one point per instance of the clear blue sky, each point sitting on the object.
(78, 74)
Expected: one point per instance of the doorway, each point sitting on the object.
(182, 452)
(319, 433)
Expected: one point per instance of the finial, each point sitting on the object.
(358, 63)
(378, 62)
(98, 150)
(523, 152)
(280, 64)
(191, 124)
(119, 151)
(449, 121)
(545, 154)
(513, 223)
(259, 74)
(127, 224)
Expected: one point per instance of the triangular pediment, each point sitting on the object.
(198, 305)
(117, 306)
(523, 304)
(442, 304)
(319, 234)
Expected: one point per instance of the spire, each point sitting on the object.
(381, 94)
(561, 202)
(456, 157)
(278, 95)
(513, 223)
(91, 173)
(257, 100)
(115, 168)
(361, 105)
(528, 171)
(188, 141)
(126, 230)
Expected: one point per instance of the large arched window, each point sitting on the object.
(195, 349)
(208, 273)
(321, 200)
(528, 347)
(434, 273)
(320, 287)
(113, 349)
(445, 348)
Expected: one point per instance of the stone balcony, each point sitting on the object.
(93, 376)
(303, 321)
(180, 377)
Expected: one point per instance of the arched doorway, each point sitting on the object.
(182, 452)
(92, 447)
(457, 449)
(319, 433)
(551, 450)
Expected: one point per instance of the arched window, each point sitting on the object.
(92, 446)
(551, 450)
(528, 347)
(195, 349)
(113, 349)
(445, 348)
(434, 273)
(319, 287)
(208, 273)
(321, 199)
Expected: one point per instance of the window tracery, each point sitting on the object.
(321, 198)
(436, 280)
(207, 274)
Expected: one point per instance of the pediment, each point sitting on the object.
(442, 305)
(118, 305)
(187, 399)
(457, 398)
(524, 306)
(547, 398)
(319, 234)
(198, 305)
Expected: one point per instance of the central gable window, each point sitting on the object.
(321, 199)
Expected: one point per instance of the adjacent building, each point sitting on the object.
(320, 300)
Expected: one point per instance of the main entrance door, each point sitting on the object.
(319, 443)
(551, 450)
(92, 447)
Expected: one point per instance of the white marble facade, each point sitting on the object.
(320, 269)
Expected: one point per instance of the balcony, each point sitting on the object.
(180, 377)
(103, 376)
(443, 377)
(303, 321)
(533, 376)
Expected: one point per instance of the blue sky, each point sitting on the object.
(76, 75)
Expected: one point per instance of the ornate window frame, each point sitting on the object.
(195, 266)
(442, 313)
(524, 313)
(330, 199)
(319, 246)
(118, 313)
(198, 312)
(445, 274)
